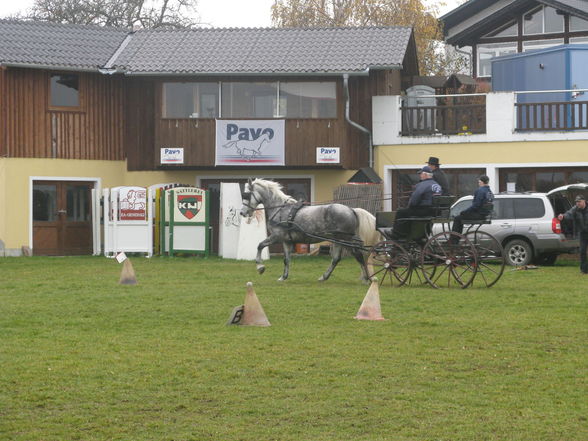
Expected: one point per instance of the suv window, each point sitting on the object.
(503, 208)
(529, 208)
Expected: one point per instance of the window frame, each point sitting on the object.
(276, 110)
(81, 93)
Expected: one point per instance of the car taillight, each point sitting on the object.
(556, 225)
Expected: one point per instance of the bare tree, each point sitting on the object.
(337, 13)
(147, 14)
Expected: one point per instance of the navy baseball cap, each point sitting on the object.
(425, 169)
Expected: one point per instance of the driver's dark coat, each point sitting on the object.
(422, 196)
(579, 218)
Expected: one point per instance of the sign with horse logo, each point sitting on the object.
(250, 142)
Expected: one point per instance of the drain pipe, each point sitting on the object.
(356, 125)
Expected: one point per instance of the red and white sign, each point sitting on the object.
(132, 203)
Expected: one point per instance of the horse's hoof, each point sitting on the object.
(260, 269)
(281, 279)
(321, 279)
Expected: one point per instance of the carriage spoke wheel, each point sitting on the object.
(390, 263)
(449, 260)
(491, 258)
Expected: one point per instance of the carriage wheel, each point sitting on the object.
(448, 259)
(491, 258)
(390, 263)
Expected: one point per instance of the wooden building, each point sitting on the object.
(84, 107)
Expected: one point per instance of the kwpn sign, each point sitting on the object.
(189, 205)
(185, 221)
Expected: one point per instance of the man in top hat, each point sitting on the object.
(439, 175)
(420, 203)
(578, 215)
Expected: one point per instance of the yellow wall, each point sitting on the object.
(483, 153)
(15, 174)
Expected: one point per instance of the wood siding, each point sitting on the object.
(3, 148)
(94, 131)
(146, 132)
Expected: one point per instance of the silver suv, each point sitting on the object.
(526, 225)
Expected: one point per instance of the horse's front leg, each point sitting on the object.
(288, 248)
(336, 251)
(264, 243)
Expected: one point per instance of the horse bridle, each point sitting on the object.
(247, 195)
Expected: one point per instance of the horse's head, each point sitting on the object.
(251, 198)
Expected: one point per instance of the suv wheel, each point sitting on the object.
(518, 252)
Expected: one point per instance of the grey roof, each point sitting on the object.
(487, 21)
(203, 51)
(59, 46)
(264, 50)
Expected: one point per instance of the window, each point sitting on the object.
(510, 30)
(543, 20)
(308, 100)
(579, 40)
(541, 44)
(529, 208)
(190, 100)
(503, 208)
(249, 100)
(65, 90)
(578, 24)
(488, 51)
(546, 181)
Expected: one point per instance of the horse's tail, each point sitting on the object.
(366, 229)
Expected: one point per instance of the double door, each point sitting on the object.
(62, 218)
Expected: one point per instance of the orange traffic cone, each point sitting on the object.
(127, 275)
(370, 307)
(251, 313)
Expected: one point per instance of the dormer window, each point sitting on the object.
(64, 91)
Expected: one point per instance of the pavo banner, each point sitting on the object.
(250, 142)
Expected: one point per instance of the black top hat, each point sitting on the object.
(433, 161)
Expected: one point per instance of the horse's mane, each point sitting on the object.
(274, 188)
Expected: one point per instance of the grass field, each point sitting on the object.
(83, 358)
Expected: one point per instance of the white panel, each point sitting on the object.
(191, 238)
(252, 232)
(229, 219)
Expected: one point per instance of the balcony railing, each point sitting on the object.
(453, 115)
(552, 116)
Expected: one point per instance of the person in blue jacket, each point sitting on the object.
(481, 205)
(420, 203)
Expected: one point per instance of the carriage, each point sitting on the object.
(429, 254)
(433, 254)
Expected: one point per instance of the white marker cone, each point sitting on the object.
(370, 307)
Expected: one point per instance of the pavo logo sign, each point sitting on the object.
(189, 205)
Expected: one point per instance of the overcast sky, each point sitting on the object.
(218, 13)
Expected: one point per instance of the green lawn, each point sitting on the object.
(83, 358)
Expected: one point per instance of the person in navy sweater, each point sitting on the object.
(420, 203)
(481, 205)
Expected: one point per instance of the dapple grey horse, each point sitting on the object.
(290, 222)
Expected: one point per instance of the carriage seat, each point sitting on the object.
(484, 220)
(442, 206)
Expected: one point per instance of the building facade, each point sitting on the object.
(84, 108)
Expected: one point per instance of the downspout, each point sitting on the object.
(356, 125)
